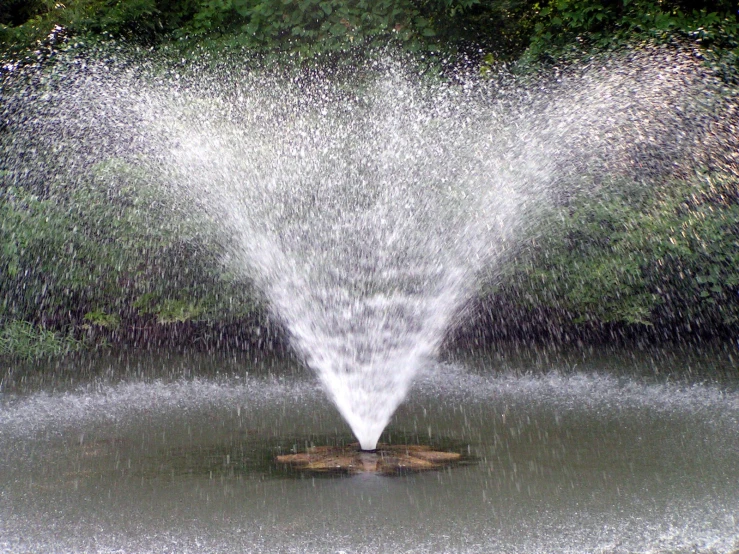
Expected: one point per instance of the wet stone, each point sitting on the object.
(386, 460)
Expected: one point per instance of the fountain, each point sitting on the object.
(366, 205)
(363, 243)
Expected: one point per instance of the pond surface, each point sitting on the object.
(608, 451)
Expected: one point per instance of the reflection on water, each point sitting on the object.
(617, 451)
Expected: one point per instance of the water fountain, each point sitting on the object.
(365, 206)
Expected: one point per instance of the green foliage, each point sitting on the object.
(500, 29)
(102, 319)
(25, 25)
(169, 310)
(17, 12)
(304, 26)
(315, 25)
(23, 340)
(107, 251)
(564, 26)
(638, 253)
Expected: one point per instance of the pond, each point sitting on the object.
(599, 451)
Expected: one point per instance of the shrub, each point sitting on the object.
(637, 253)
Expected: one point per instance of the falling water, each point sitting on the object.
(366, 205)
(363, 220)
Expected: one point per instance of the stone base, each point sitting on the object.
(387, 459)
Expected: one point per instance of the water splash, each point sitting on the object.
(362, 218)
(365, 206)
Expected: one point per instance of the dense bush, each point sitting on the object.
(109, 252)
(573, 28)
(574, 23)
(663, 255)
(502, 28)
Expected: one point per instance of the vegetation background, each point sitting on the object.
(654, 257)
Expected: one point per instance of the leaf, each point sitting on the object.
(337, 29)
(244, 10)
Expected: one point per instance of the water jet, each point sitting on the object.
(366, 212)
(367, 220)
(367, 206)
